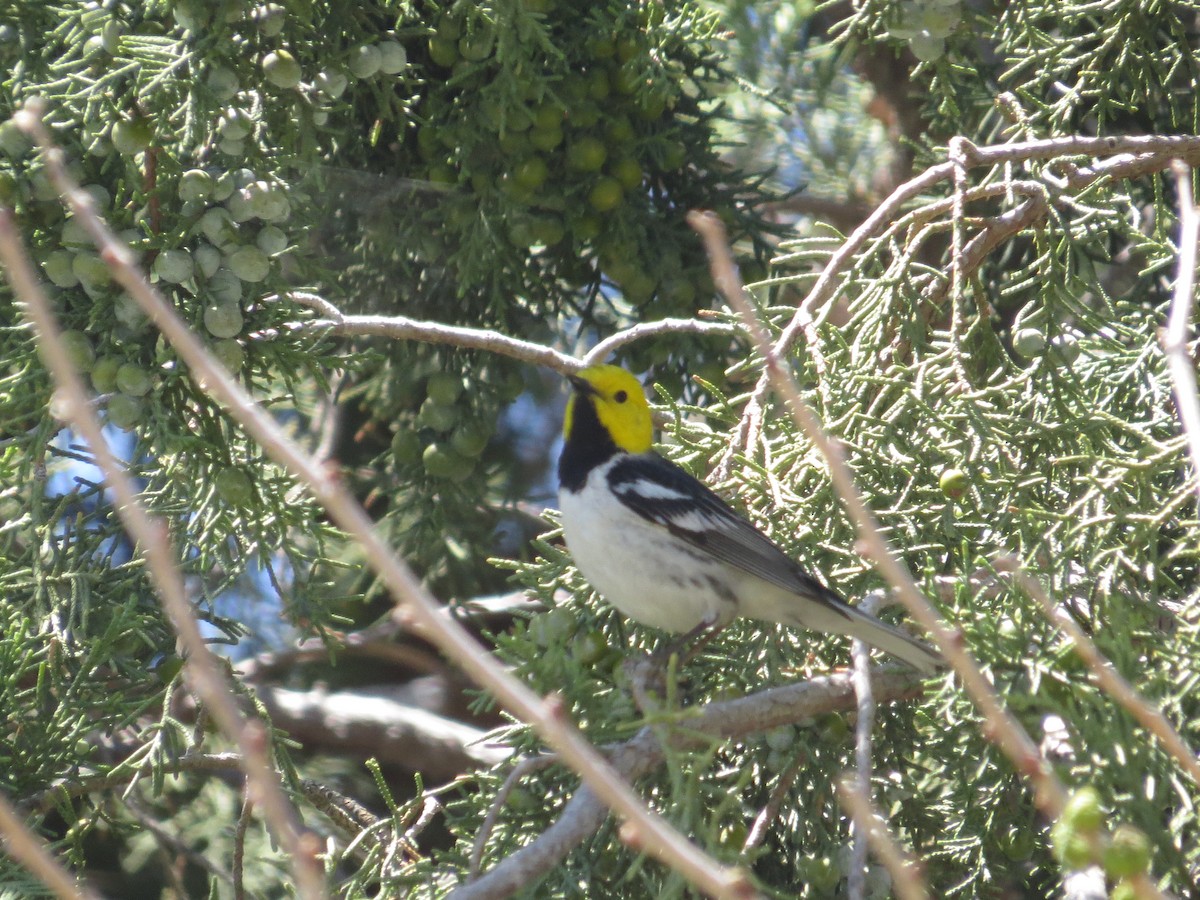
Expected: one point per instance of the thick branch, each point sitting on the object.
(360, 724)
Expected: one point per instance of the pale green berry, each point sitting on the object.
(207, 259)
(74, 235)
(1029, 342)
(250, 264)
(125, 411)
(130, 137)
(926, 47)
(223, 83)
(281, 69)
(128, 313)
(365, 61)
(393, 57)
(91, 271)
(79, 350)
(241, 205)
(271, 240)
(217, 225)
(195, 184)
(13, 142)
(270, 18)
(230, 353)
(235, 124)
(223, 320)
(332, 83)
(58, 269)
(110, 36)
(174, 266)
(225, 288)
(224, 187)
(101, 198)
(104, 374)
(234, 487)
(133, 380)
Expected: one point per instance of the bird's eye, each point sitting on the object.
(620, 396)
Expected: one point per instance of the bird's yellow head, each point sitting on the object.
(620, 405)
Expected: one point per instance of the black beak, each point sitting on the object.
(580, 385)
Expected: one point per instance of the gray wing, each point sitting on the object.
(661, 492)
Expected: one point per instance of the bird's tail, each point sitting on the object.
(853, 622)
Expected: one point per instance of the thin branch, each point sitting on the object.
(370, 724)
(991, 236)
(1002, 728)
(1147, 714)
(404, 328)
(645, 330)
(905, 871)
(191, 762)
(30, 851)
(173, 843)
(1175, 338)
(1135, 156)
(520, 770)
(769, 812)
(239, 846)
(861, 674)
(415, 604)
(429, 809)
(201, 666)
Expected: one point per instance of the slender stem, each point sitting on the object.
(1175, 338)
(905, 872)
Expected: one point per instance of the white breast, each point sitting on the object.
(639, 567)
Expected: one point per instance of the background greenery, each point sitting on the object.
(525, 166)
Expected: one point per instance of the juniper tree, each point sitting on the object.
(986, 350)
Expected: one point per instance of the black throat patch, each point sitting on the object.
(587, 446)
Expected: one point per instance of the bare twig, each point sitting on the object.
(1175, 337)
(203, 671)
(860, 653)
(169, 841)
(991, 236)
(526, 766)
(1002, 728)
(643, 330)
(348, 814)
(547, 715)
(371, 724)
(906, 875)
(30, 851)
(1163, 147)
(239, 846)
(404, 328)
(769, 812)
(191, 762)
(429, 808)
(1147, 714)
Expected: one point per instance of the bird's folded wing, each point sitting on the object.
(661, 492)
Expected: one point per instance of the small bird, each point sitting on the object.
(668, 552)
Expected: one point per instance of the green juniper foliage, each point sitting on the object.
(524, 165)
(500, 165)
